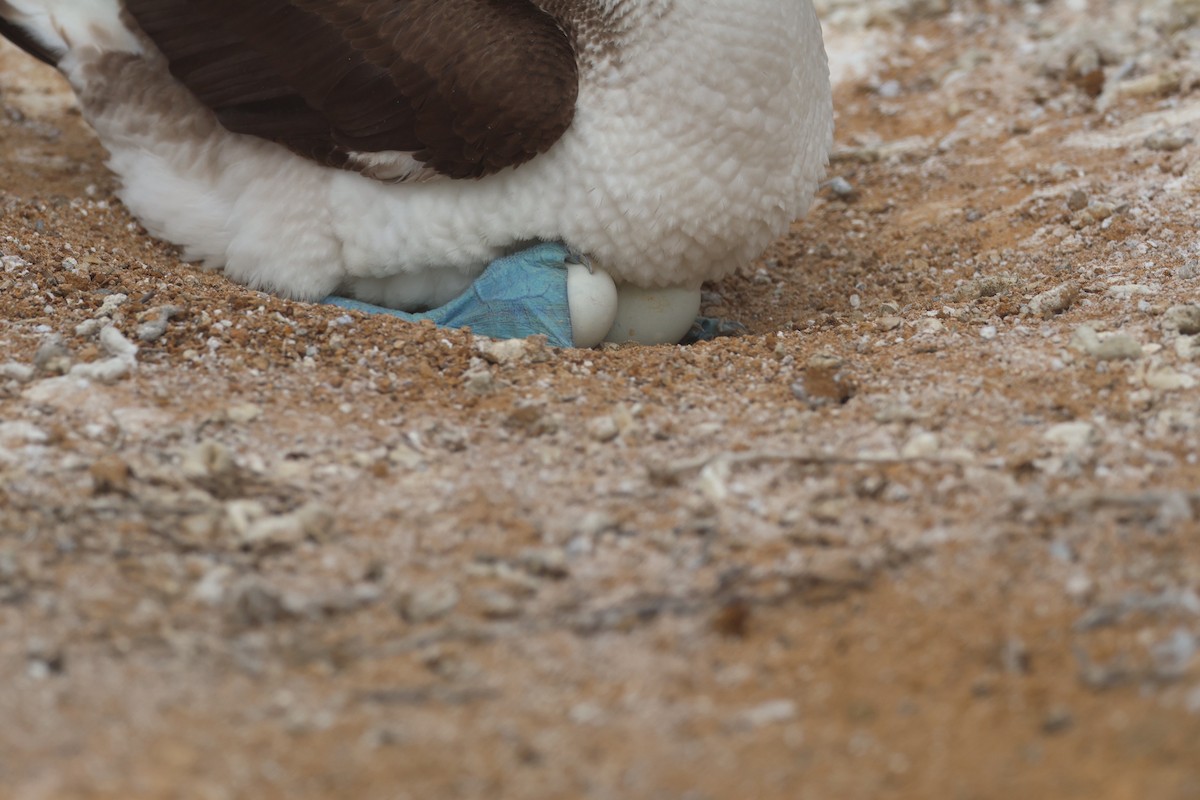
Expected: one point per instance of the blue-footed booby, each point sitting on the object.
(607, 156)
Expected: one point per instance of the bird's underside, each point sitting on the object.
(391, 150)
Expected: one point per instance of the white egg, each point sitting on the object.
(592, 300)
(654, 316)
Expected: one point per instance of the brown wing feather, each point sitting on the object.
(468, 86)
(23, 40)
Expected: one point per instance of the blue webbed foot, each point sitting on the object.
(705, 329)
(524, 294)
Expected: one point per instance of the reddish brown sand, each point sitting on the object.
(917, 535)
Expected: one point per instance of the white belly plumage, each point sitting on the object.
(691, 149)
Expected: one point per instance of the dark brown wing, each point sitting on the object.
(23, 40)
(469, 87)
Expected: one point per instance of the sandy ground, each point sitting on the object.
(929, 530)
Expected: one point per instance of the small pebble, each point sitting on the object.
(110, 305)
(1077, 200)
(988, 332)
(1167, 141)
(842, 188)
(1183, 318)
(930, 326)
(496, 604)
(428, 603)
(154, 325)
(17, 433)
(772, 712)
(890, 89)
(208, 459)
(1174, 655)
(923, 444)
(603, 429)
(1072, 435)
(243, 413)
(90, 327)
(545, 562)
(52, 356)
(1055, 300)
(255, 603)
(108, 370)
(1114, 347)
(1188, 348)
(502, 351)
(21, 373)
(45, 658)
(1167, 379)
(1156, 83)
(116, 345)
(310, 521)
(478, 380)
(1126, 291)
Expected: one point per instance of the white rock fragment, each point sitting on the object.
(208, 459)
(1188, 348)
(18, 434)
(1079, 586)
(21, 373)
(502, 351)
(52, 356)
(111, 304)
(772, 712)
(1183, 318)
(713, 481)
(243, 412)
(310, 521)
(241, 514)
(108, 370)
(1072, 435)
(478, 380)
(123, 355)
(1155, 83)
(841, 187)
(406, 457)
(1168, 141)
(428, 603)
(154, 325)
(930, 327)
(591, 714)
(1111, 347)
(210, 589)
(1127, 291)
(603, 429)
(1055, 300)
(89, 327)
(1167, 379)
(545, 562)
(496, 604)
(116, 345)
(923, 444)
